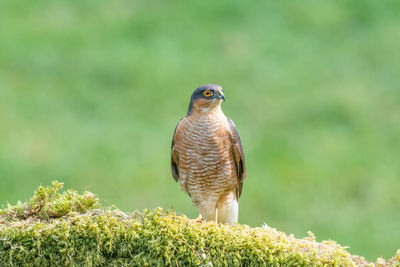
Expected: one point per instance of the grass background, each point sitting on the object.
(90, 93)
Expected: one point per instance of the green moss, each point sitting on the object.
(47, 203)
(66, 228)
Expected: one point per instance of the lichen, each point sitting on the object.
(70, 229)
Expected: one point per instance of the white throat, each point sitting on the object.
(214, 108)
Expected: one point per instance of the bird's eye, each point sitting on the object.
(207, 93)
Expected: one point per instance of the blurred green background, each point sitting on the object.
(90, 93)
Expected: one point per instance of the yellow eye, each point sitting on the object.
(207, 93)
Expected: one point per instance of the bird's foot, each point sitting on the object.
(198, 220)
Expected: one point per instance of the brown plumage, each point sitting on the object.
(207, 156)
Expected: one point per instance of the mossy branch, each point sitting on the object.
(67, 228)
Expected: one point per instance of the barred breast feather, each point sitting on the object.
(205, 156)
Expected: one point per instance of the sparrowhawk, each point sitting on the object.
(207, 156)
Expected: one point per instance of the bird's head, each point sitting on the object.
(206, 98)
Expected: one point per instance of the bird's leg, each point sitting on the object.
(228, 209)
(216, 215)
(199, 219)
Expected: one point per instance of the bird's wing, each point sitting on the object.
(238, 156)
(174, 157)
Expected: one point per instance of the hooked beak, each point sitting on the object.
(221, 96)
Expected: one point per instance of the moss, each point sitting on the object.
(47, 203)
(67, 228)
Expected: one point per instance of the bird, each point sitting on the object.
(207, 157)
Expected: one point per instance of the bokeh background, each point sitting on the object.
(90, 93)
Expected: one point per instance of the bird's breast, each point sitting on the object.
(205, 140)
(205, 157)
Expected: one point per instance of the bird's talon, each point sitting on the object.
(198, 220)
